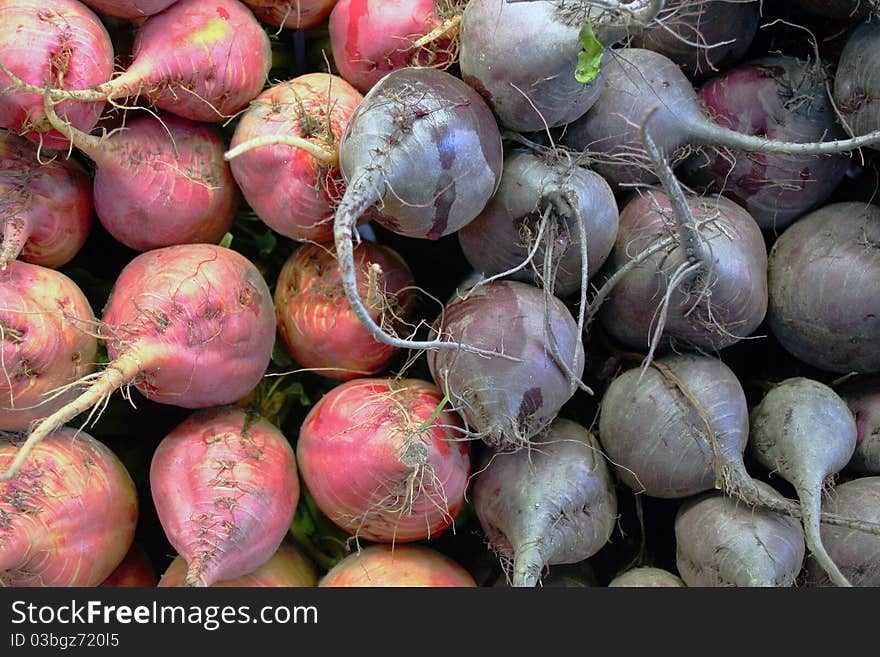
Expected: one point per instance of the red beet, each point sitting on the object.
(316, 324)
(381, 462)
(766, 97)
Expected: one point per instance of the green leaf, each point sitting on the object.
(280, 357)
(590, 58)
(303, 522)
(297, 389)
(266, 242)
(226, 241)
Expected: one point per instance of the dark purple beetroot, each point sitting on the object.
(503, 234)
(781, 98)
(701, 36)
(803, 432)
(639, 81)
(857, 79)
(538, 91)
(507, 402)
(823, 277)
(842, 9)
(857, 553)
(424, 148)
(702, 313)
(862, 395)
(635, 81)
(551, 503)
(719, 541)
(676, 429)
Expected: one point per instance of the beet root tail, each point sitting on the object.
(117, 373)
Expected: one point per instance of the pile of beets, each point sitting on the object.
(439, 293)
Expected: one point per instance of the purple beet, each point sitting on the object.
(782, 98)
(862, 395)
(540, 90)
(857, 79)
(701, 36)
(856, 553)
(654, 302)
(677, 429)
(582, 214)
(507, 402)
(823, 276)
(638, 82)
(804, 432)
(550, 503)
(719, 541)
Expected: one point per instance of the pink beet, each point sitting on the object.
(397, 565)
(371, 38)
(190, 325)
(128, 8)
(47, 342)
(162, 181)
(225, 487)
(284, 154)
(315, 322)
(68, 517)
(288, 567)
(61, 43)
(204, 61)
(45, 206)
(135, 570)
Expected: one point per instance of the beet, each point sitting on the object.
(47, 343)
(425, 148)
(857, 80)
(804, 432)
(69, 516)
(721, 542)
(701, 36)
(507, 402)
(822, 275)
(179, 319)
(46, 211)
(225, 487)
(715, 310)
(550, 503)
(582, 209)
(856, 553)
(61, 44)
(781, 98)
(385, 460)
